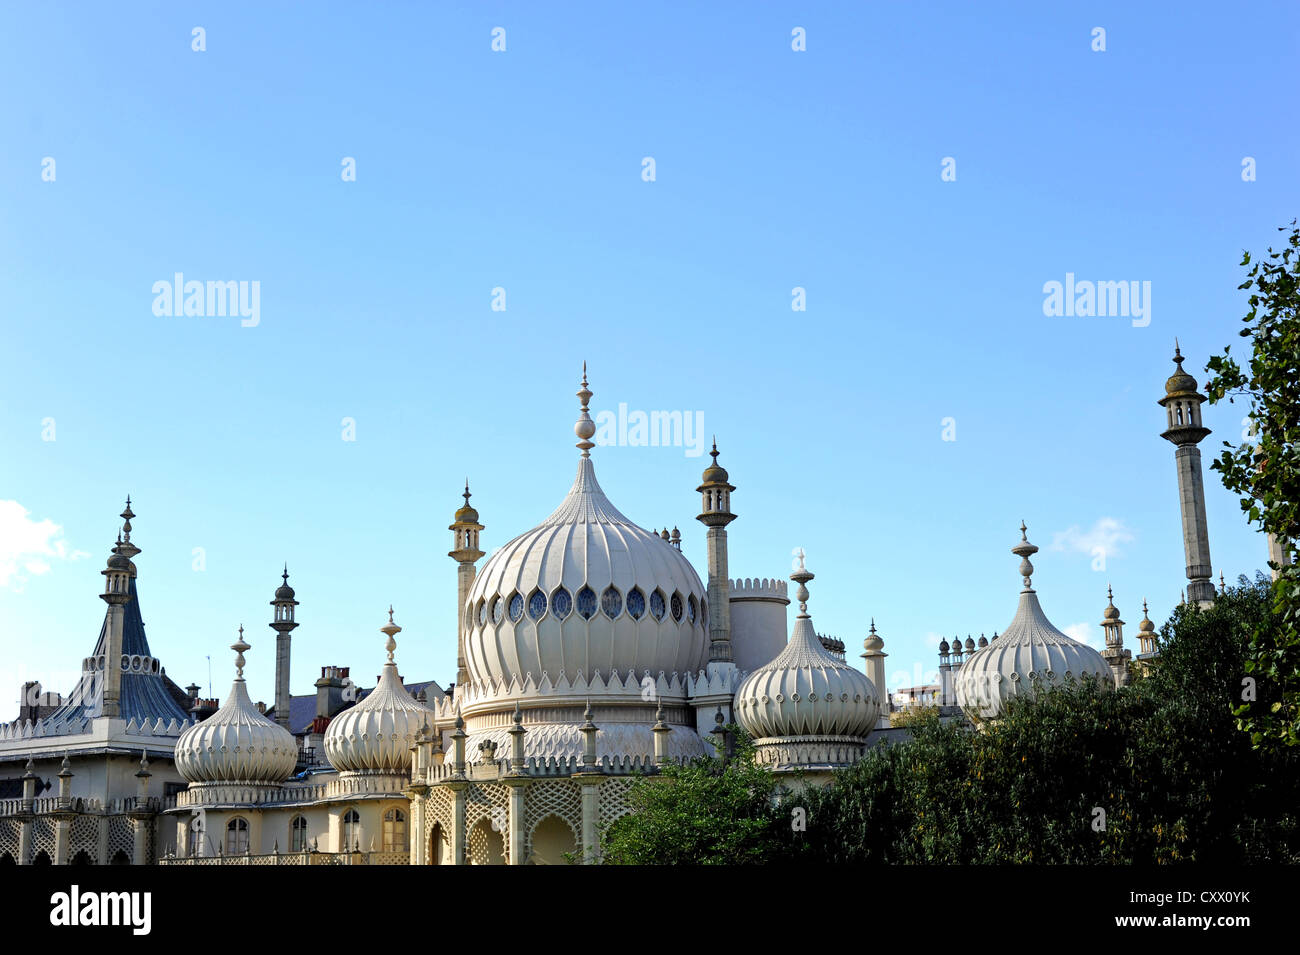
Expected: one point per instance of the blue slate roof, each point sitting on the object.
(145, 696)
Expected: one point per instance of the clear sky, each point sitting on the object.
(523, 170)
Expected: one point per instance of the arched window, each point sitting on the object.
(561, 603)
(676, 605)
(516, 607)
(586, 603)
(690, 604)
(636, 603)
(236, 837)
(537, 605)
(298, 834)
(394, 831)
(194, 842)
(611, 601)
(657, 609)
(351, 831)
(498, 609)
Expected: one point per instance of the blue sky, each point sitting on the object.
(522, 170)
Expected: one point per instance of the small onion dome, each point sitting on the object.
(284, 591)
(943, 646)
(117, 561)
(873, 641)
(1180, 382)
(715, 473)
(466, 514)
(1146, 625)
(236, 745)
(970, 644)
(1111, 612)
(984, 642)
(1030, 653)
(806, 691)
(377, 734)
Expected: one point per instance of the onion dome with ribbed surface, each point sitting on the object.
(806, 707)
(1031, 653)
(236, 745)
(377, 734)
(587, 591)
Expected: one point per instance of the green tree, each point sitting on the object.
(1265, 473)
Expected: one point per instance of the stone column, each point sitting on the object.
(457, 833)
(1196, 533)
(518, 786)
(113, 662)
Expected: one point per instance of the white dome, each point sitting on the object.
(585, 591)
(236, 744)
(1029, 654)
(377, 734)
(806, 692)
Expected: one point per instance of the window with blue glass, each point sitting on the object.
(537, 605)
(636, 603)
(657, 608)
(690, 609)
(676, 605)
(482, 611)
(561, 603)
(498, 608)
(516, 607)
(586, 603)
(611, 601)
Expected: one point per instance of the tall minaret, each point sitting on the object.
(283, 625)
(1182, 403)
(1114, 654)
(716, 516)
(118, 575)
(464, 541)
(873, 656)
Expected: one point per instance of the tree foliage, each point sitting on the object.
(1264, 470)
(1154, 772)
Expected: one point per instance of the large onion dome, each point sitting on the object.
(585, 592)
(377, 734)
(807, 708)
(1031, 653)
(236, 745)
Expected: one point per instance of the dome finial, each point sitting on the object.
(239, 646)
(1023, 550)
(585, 427)
(392, 630)
(801, 577)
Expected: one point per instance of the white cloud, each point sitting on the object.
(1084, 633)
(27, 547)
(1106, 537)
(932, 640)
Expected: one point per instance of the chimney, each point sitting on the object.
(332, 691)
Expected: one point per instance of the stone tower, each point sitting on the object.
(464, 541)
(1182, 404)
(1115, 654)
(283, 624)
(716, 515)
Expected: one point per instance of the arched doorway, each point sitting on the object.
(486, 846)
(552, 838)
(439, 851)
(7, 859)
(41, 858)
(81, 858)
(120, 858)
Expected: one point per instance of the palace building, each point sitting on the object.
(589, 650)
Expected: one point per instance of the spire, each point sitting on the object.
(801, 577)
(125, 547)
(1024, 550)
(585, 427)
(1223, 588)
(239, 646)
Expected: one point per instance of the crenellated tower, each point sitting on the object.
(465, 551)
(716, 515)
(1182, 404)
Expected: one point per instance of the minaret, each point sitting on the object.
(283, 625)
(1146, 634)
(464, 541)
(716, 516)
(1182, 404)
(945, 675)
(118, 575)
(1114, 654)
(873, 657)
